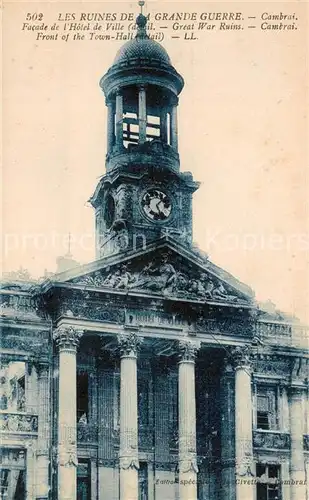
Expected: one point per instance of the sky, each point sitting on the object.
(243, 125)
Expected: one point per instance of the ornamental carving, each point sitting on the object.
(14, 422)
(93, 310)
(28, 341)
(87, 433)
(244, 469)
(67, 456)
(188, 350)
(165, 466)
(163, 275)
(241, 356)
(129, 344)
(107, 462)
(273, 440)
(188, 464)
(67, 337)
(128, 463)
(231, 325)
(271, 365)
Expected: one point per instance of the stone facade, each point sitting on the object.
(150, 373)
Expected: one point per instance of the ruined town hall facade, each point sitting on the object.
(150, 373)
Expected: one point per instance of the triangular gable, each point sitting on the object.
(165, 268)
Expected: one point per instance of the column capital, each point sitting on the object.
(297, 391)
(42, 369)
(129, 344)
(187, 350)
(67, 337)
(242, 356)
(119, 91)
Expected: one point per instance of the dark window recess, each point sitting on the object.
(12, 484)
(262, 420)
(82, 398)
(143, 481)
(267, 408)
(268, 484)
(83, 480)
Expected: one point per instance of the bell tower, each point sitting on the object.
(143, 194)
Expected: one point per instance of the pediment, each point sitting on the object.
(168, 270)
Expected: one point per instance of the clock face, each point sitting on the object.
(156, 204)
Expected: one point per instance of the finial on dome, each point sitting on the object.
(141, 3)
(141, 22)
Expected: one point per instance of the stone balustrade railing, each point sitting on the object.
(271, 440)
(13, 422)
(283, 333)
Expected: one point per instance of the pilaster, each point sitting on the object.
(119, 120)
(297, 458)
(110, 126)
(43, 456)
(30, 470)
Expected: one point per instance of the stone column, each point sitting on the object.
(227, 404)
(297, 462)
(187, 421)
(243, 424)
(119, 119)
(128, 452)
(67, 339)
(142, 114)
(110, 126)
(174, 128)
(43, 457)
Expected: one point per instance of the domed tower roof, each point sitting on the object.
(142, 57)
(142, 47)
(139, 49)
